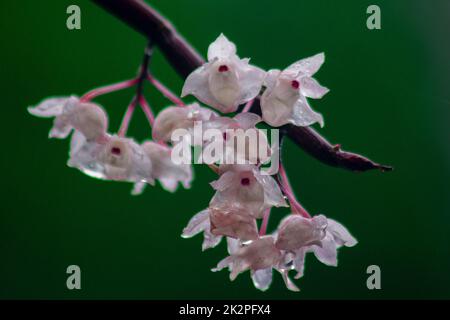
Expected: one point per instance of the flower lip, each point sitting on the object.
(116, 151)
(223, 68)
(295, 84)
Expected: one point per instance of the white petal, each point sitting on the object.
(197, 224)
(341, 234)
(271, 77)
(61, 128)
(303, 115)
(262, 278)
(247, 120)
(233, 245)
(326, 254)
(164, 169)
(299, 263)
(308, 66)
(225, 181)
(289, 284)
(272, 192)
(250, 82)
(224, 263)
(309, 87)
(221, 48)
(197, 84)
(138, 188)
(51, 107)
(210, 240)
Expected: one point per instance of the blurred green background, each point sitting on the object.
(389, 100)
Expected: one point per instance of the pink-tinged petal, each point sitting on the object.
(272, 193)
(61, 128)
(173, 118)
(138, 188)
(341, 235)
(221, 48)
(260, 254)
(250, 81)
(234, 222)
(276, 111)
(164, 169)
(327, 252)
(289, 284)
(88, 118)
(210, 240)
(233, 245)
(197, 224)
(247, 120)
(299, 263)
(296, 232)
(271, 78)
(309, 87)
(303, 115)
(308, 66)
(224, 263)
(225, 181)
(51, 107)
(262, 278)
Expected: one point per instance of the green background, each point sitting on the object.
(389, 100)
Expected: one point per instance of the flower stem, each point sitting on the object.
(127, 118)
(248, 106)
(108, 89)
(147, 109)
(165, 91)
(287, 189)
(265, 222)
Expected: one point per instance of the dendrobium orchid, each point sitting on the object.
(69, 113)
(245, 185)
(225, 81)
(245, 194)
(284, 100)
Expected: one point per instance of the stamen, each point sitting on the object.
(245, 181)
(295, 84)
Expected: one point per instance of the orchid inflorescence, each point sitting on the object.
(244, 194)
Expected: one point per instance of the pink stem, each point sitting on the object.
(165, 91)
(265, 222)
(248, 105)
(107, 89)
(287, 189)
(127, 118)
(147, 110)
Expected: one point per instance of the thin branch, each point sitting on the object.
(184, 59)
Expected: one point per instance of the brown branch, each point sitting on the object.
(184, 59)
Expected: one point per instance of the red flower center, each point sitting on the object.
(116, 151)
(245, 181)
(223, 68)
(295, 84)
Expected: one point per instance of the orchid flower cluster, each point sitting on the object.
(244, 195)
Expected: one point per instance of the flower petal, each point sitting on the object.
(51, 107)
(308, 66)
(309, 87)
(303, 115)
(272, 192)
(327, 254)
(262, 278)
(221, 48)
(341, 235)
(197, 224)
